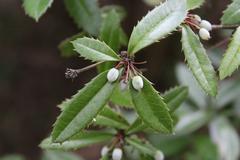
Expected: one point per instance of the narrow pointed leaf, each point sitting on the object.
(80, 140)
(136, 126)
(151, 108)
(231, 60)
(191, 122)
(94, 50)
(109, 32)
(198, 61)
(12, 157)
(157, 24)
(232, 14)
(80, 110)
(122, 98)
(226, 138)
(119, 9)
(186, 78)
(143, 146)
(175, 97)
(36, 8)
(59, 155)
(86, 14)
(66, 46)
(229, 92)
(108, 117)
(192, 4)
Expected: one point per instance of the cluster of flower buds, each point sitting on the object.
(113, 75)
(116, 154)
(205, 28)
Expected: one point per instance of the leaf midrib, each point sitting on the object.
(100, 53)
(194, 51)
(144, 97)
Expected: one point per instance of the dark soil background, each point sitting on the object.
(32, 80)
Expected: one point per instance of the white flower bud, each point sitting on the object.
(137, 82)
(104, 151)
(204, 34)
(123, 85)
(117, 154)
(112, 75)
(206, 24)
(197, 17)
(159, 155)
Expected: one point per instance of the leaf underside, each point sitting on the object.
(151, 108)
(94, 50)
(198, 61)
(80, 140)
(143, 146)
(231, 60)
(110, 118)
(36, 8)
(157, 24)
(232, 14)
(80, 110)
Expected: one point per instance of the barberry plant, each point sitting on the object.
(120, 82)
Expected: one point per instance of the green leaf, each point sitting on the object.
(109, 32)
(175, 97)
(136, 126)
(186, 78)
(192, 4)
(86, 14)
(66, 47)
(198, 61)
(12, 157)
(204, 148)
(151, 108)
(59, 155)
(123, 37)
(108, 117)
(157, 24)
(229, 92)
(36, 8)
(94, 50)
(232, 14)
(122, 13)
(231, 60)
(190, 122)
(80, 140)
(122, 98)
(143, 146)
(80, 110)
(170, 145)
(226, 137)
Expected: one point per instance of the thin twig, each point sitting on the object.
(221, 43)
(73, 73)
(216, 27)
